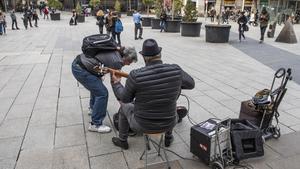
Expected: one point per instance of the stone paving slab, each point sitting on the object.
(48, 108)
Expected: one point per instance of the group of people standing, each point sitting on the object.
(112, 22)
(242, 21)
(28, 16)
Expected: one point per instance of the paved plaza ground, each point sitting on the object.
(44, 111)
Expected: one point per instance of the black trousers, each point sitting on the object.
(262, 32)
(14, 22)
(137, 27)
(241, 32)
(127, 119)
(101, 29)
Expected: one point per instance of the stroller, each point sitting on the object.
(263, 107)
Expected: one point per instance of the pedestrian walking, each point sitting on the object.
(137, 18)
(212, 14)
(109, 22)
(252, 19)
(100, 20)
(113, 25)
(264, 20)
(46, 12)
(2, 23)
(29, 16)
(73, 20)
(118, 30)
(13, 20)
(163, 19)
(25, 20)
(35, 17)
(242, 21)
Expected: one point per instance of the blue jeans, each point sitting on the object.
(98, 92)
(162, 25)
(1, 27)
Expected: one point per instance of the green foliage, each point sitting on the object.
(158, 5)
(190, 12)
(178, 4)
(94, 3)
(55, 4)
(148, 2)
(117, 6)
(78, 8)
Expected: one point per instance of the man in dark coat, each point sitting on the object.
(264, 21)
(148, 100)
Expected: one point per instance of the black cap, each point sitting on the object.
(150, 48)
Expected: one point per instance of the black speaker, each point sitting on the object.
(246, 139)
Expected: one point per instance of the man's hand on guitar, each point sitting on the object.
(114, 78)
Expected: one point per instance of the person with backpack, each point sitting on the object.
(84, 72)
(118, 29)
(100, 20)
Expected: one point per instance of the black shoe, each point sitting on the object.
(135, 38)
(168, 140)
(140, 38)
(13, 29)
(120, 143)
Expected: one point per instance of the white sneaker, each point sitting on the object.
(99, 129)
(90, 111)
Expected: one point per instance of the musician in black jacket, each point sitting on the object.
(154, 90)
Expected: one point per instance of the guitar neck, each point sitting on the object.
(118, 72)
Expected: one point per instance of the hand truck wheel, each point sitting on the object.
(276, 133)
(217, 165)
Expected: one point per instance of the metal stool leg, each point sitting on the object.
(164, 150)
(146, 139)
(159, 145)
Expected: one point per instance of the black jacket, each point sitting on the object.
(154, 90)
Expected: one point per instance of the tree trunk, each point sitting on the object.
(147, 10)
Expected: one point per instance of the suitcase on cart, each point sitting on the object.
(263, 107)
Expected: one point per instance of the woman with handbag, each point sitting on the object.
(242, 21)
(100, 20)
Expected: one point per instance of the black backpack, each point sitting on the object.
(94, 44)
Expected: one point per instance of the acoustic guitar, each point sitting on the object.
(103, 70)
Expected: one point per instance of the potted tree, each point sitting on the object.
(190, 26)
(54, 5)
(173, 25)
(147, 20)
(129, 10)
(118, 7)
(80, 16)
(217, 33)
(94, 4)
(155, 22)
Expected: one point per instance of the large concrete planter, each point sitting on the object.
(80, 18)
(173, 26)
(191, 29)
(130, 13)
(155, 23)
(147, 21)
(55, 16)
(217, 33)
